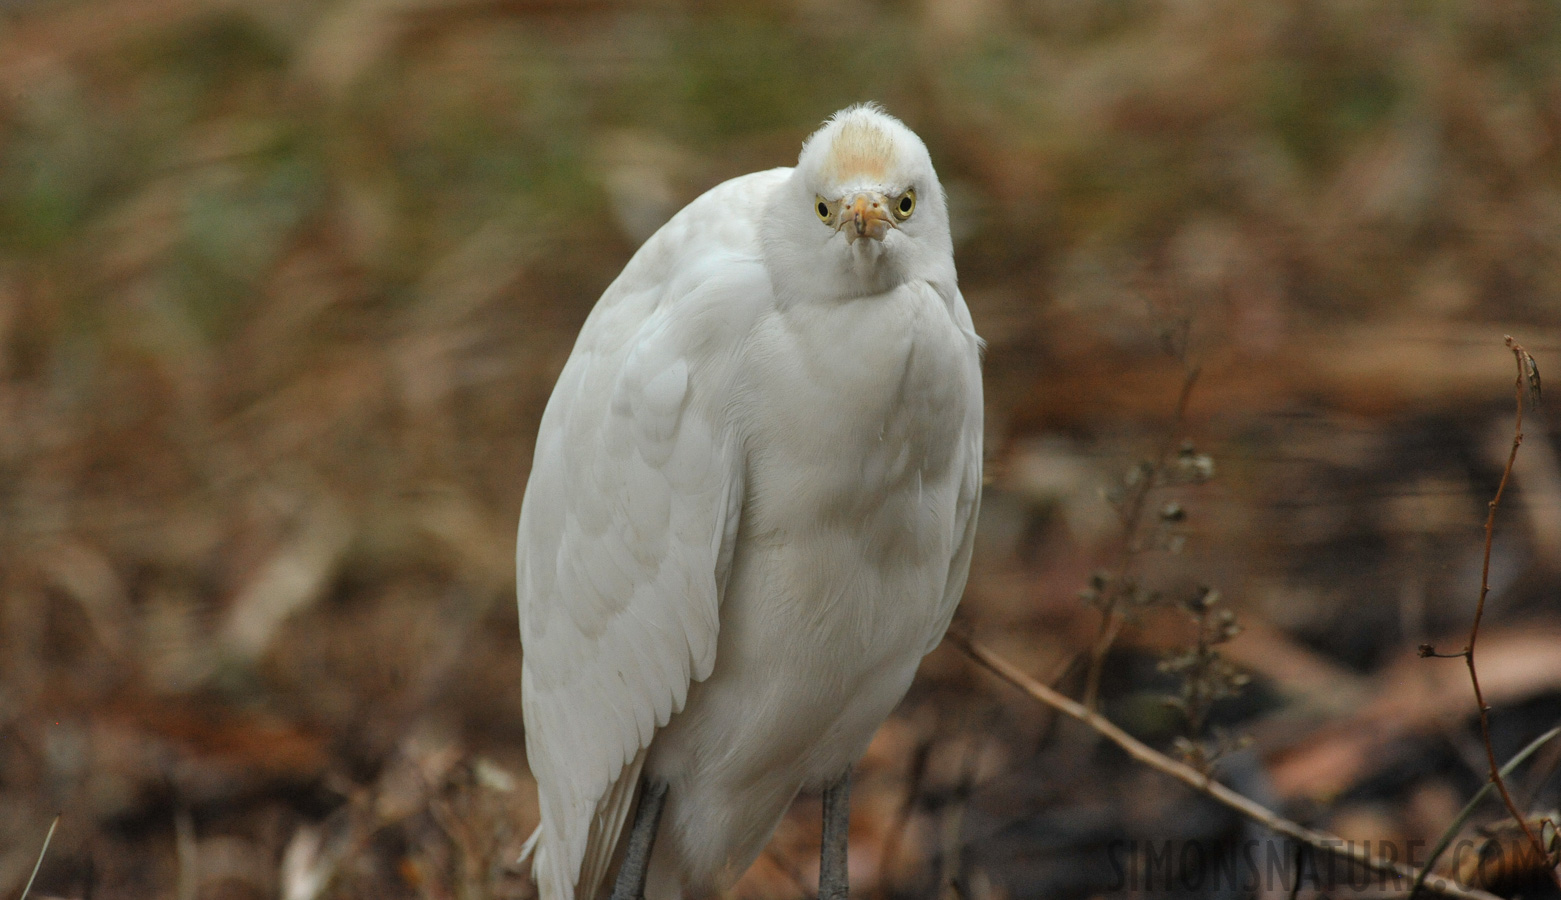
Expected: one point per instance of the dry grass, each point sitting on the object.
(284, 286)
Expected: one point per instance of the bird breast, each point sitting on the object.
(856, 421)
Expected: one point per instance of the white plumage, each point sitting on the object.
(751, 508)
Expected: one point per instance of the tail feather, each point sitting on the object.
(601, 844)
(607, 828)
(528, 848)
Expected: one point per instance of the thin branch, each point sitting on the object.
(39, 864)
(1200, 782)
(1528, 378)
(1131, 516)
(1474, 802)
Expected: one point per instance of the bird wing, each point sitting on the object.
(968, 506)
(629, 521)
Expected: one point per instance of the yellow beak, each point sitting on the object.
(865, 214)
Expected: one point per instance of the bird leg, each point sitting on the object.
(642, 837)
(833, 883)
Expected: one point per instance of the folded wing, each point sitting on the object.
(626, 536)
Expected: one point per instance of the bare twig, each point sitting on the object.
(1206, 676)
(39, 864)
(1527, 382)
(1132, 516)
(1474, 802)
(1200, 782)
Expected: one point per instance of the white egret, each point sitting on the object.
(749, 516)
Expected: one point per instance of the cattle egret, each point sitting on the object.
(749, 516)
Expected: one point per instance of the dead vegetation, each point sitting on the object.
(284, 286)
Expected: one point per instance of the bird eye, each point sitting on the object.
(907, 204)
(822, 208)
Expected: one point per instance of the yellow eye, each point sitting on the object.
(906, 205)
(822, 208)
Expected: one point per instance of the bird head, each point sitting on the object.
(863, 210)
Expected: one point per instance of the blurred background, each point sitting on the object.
(284, 285)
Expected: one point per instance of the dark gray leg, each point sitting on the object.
(642, 837)
(832, 881)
